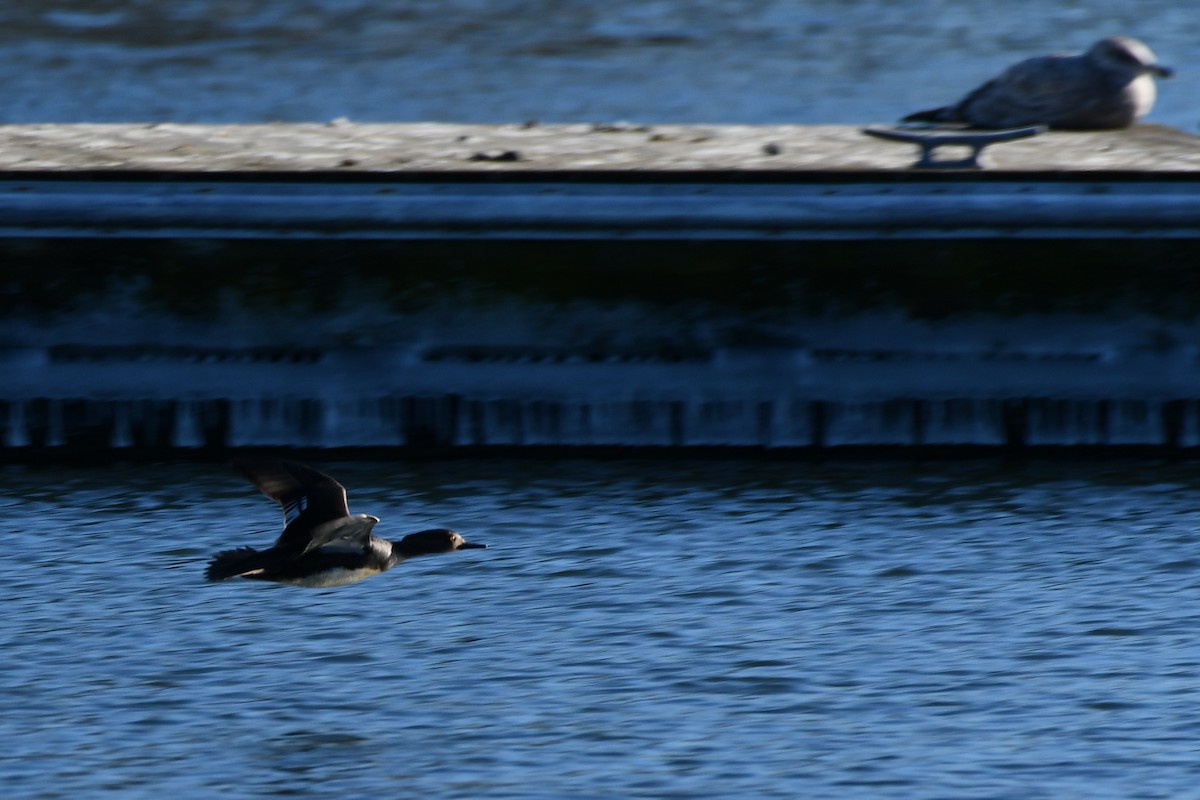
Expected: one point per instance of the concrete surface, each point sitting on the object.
(392, 148)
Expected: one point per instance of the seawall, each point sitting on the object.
(447, 287)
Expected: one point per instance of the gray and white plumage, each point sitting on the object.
(1111, 85)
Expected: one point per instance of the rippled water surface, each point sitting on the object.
(635, 629)
(807, 61)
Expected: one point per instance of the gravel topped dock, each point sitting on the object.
(393, 148)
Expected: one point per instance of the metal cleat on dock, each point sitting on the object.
(929, 139)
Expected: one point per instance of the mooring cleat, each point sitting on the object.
(929, 139)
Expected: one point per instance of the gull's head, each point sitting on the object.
(1125, 54)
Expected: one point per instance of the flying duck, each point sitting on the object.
(322, 543)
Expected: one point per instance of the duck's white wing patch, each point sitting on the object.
(293, 509)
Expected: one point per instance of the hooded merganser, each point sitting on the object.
(322, 543)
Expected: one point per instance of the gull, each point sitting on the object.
(1111, 85)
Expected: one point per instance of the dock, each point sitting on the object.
(463, 288)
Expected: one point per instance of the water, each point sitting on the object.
(753, 61)
(635, 629)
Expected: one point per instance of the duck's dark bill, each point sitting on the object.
(472, 546)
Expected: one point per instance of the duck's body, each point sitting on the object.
(335, 564)
(1111, 85)
(322, 544)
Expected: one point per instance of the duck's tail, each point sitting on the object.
(232, 563)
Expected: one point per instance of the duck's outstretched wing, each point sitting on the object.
(313, 503)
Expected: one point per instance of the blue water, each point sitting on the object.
(636, 629)
(752, 61)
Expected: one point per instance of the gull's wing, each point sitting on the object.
(309, 500)
(1039, 90)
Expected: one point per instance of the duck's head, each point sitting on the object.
(437, 540)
